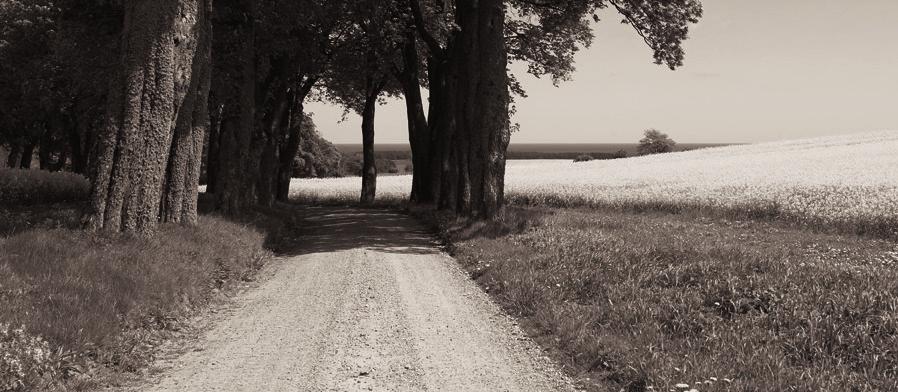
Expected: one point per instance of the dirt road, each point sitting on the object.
(368, 304)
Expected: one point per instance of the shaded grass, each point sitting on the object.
(103, 302)
(882, 227)
(630, 301)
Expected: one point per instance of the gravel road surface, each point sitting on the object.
(367, 304)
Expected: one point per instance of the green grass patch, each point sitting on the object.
(641, 302)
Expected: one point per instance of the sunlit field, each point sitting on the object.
(840, 179)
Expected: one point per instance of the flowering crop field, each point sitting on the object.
(839, 179)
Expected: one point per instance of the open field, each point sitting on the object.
(848, 182)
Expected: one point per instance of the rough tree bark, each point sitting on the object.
(160, 46)
(234, 84)
(473, 136)
(418, 129)
(369, 166)
(179, 197)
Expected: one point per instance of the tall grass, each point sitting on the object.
(644, 302)
(101, 300)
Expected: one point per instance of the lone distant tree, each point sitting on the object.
(655, 142)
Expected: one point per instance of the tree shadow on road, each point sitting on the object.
(332, 229)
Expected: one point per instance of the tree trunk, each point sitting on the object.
(476, 82)
(15, 156)
(418, 130)
(214, 144)
(369, 166)
(82, 138)
(179, 198)
(234, 83)
(275, 104)
(160, 49)
(27, 156)
(443, 116)
(45, 151)
(290, 149)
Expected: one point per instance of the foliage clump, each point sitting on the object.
(24, 186)
(583, 158)
(25, 359)
(317, 157)
(655, 142)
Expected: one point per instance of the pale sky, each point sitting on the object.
(754, 71)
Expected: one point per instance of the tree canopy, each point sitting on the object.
(69, 72)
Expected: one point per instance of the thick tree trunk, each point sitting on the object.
(418, 129)
(15, 156)
(179, 198)
(234, 86)
(476, 82)
(160, 47)
(369, 166)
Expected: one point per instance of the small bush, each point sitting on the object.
(23, 186)
(583, 158)
(655, 142)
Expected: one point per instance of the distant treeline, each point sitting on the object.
(398, 152)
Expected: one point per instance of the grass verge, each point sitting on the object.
(646, 301)
(77, 307)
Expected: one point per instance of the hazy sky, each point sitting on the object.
(755, 71)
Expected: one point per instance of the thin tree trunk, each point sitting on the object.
(290, 148)
(45, 150)
(15, 156)
(76, 150)
(214, 143)
(418, 130)
(234, 83)
(369, 166)
(27, 156)
(159, 51)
